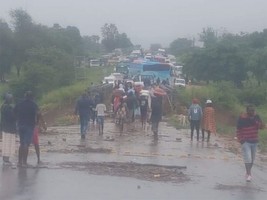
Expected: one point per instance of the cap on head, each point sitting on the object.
(208, 101)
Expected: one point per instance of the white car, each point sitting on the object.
(179, 82)
(109, 80)
(95, 63)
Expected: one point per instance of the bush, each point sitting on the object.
(68, 94)
(223, 95)
(253, 95)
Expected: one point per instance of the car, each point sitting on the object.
(95, 63)
(179, 82)
(109, 80)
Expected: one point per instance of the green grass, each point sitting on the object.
(224, 129)
(3, 90)
(66, 95)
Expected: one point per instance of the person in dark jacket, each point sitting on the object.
(26, 113)
(248, 125)
(8, 126)
(156, 114)
(132, 103)
(83, 108)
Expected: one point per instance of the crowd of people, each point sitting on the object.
(128, 103)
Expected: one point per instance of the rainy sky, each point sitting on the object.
(147, 21)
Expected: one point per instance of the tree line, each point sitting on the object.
(224, 56)
(42, 57)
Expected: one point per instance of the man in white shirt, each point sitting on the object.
(100, 110)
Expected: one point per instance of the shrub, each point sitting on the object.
(253, 95)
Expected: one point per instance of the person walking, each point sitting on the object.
(208, 122)
(8, 128)
(100, 113)
(156, 114)
(122, 114)
(131, 102)
(83, 108)
(194, 116)
(248, 125)
(143, 102)
(26, 113)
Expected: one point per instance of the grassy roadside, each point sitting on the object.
(226, 104)
(61, 97)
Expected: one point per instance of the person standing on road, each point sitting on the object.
(8, 128)
(143, 102)
(194, 116)
(26, 112)
(83, 108)
(248, 125)
(131, 102)
(208, 122)
(100, 112)
(156, 114)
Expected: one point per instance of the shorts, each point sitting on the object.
(249, 152)
(100, 119)
(35, 138)
(25, 135)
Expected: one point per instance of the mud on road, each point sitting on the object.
(133, 142)
(135, 145)
(147, 172)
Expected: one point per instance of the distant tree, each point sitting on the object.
(95, 38)
(208, 37)
(257, 63)
(23, 27)
(109, 33)
(112, 39)
(180, 46)
(217, 63)
(91, 46)
(6, 49)
(123, 42)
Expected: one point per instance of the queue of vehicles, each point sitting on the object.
(148, 69)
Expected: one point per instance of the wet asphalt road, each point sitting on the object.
(214, 172)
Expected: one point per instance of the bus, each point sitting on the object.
(157, 70)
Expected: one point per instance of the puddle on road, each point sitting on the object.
(148, 172)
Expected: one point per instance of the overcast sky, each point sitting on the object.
(146, 21)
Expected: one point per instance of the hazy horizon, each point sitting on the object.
(147, 22)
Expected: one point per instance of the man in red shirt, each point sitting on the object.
(247, 133)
